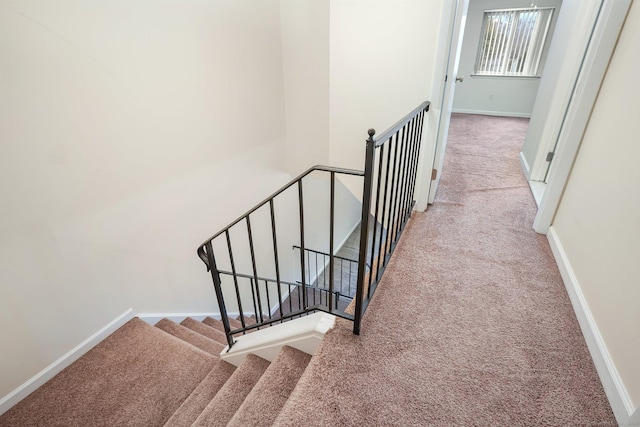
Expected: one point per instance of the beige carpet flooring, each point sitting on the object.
(471, 324)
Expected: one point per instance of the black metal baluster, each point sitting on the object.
(417, 149)
(331, 242)
(407, 159)
(381, 254)
(416, 157)
(401, 188)
(235, 278)
(275, 256)
(349, 275)
(342, 276)
(253, 296)
(380, 156)
(255, 270)
(266, 290)
(364, 230)
(302, 266)
(405, 181)
(290, 302)
(217, 285)
(394, 190)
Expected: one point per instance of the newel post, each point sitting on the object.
(364, 229)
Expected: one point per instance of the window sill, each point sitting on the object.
(504, 76)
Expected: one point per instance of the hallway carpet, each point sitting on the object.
(471, 324)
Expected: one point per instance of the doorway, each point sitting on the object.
(497, 75)
(575, 66)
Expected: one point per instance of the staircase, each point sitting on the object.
(164, 375)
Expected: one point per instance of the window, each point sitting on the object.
(512, 41)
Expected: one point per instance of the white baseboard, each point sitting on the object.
(275, 309)
(619, 398)
(153, 318)
(67, 359)
(492, 113)
(346, 237)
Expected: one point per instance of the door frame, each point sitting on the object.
(450, 20)
(459, 15)
(588, 81)
(550, 108)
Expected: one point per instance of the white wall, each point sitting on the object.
(316, 198)
(570, 40)
(130, 132)
(305, 47)
(382, 61)
(598, 220)
(504, 96)
(382, 58)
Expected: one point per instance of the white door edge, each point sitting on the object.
(603, 41)
(438, 93)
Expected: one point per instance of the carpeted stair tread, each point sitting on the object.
(191, 337)
(121, 381)
(217, 324)
(266, 399)
(205, 330)
(191, 408)
(226, 402)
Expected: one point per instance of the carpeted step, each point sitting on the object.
(226, 402)
(191, 337)
(266, 399)
(191, 408)
(205, 330)
(217, 324)
(138, 376)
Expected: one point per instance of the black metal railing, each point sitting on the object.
(391, 166)
(269, 297)
(345, 272)
(244, 288)
(260, 315)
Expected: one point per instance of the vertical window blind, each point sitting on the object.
(512, 41)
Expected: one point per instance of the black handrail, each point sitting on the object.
(295, 180)
(391, 178)
(259, 298)
(387, 134)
